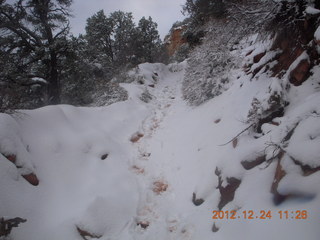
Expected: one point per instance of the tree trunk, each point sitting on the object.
(53, 87)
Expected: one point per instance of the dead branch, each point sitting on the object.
(237, 135)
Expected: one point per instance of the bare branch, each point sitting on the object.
(237, 135)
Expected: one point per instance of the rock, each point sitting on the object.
(136, 137)
(258, 57)
(197, 202)
(31, 178)
(87, 235)
(300, 73)
(306, 169)
(143, 224)
(227, 193)
(12, 158)
(249, 53)
(252, 164)
(279, 174)
(214, 228)
(274, 123)
(151, 85)
(217, 120)
(256, 70)
(104, 156)
(175, 40)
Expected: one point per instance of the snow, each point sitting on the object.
(312, 11)
(39, 79)
(317, 34)
(306, 139)
(93, 176)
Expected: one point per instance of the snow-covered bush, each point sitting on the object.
(211, 63)
(108, 94)
(264, 108)
(146, 96)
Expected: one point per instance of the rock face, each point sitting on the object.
(175, 40)
(300, 73)
(289, 44)
(290, 51)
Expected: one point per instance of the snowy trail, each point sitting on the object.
(168, 170)
(155, 190)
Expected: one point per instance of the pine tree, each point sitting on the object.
(99, 34)
(201, 10)
(124, 32)
(148, 41)
(34, 40)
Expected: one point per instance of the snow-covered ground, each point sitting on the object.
(137, 170)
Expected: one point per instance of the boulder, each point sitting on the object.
(252, 164)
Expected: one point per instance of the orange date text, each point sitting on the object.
(262, 214)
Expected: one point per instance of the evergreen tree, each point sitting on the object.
(124, 32)
(99, 34)
(201, 10)
(34, 40)
(148, 41)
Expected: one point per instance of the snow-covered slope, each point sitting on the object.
(153, 167)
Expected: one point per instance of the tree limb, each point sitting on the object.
(237, 135)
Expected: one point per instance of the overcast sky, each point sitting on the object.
(163, 12)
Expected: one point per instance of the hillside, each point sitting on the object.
(224, 145)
